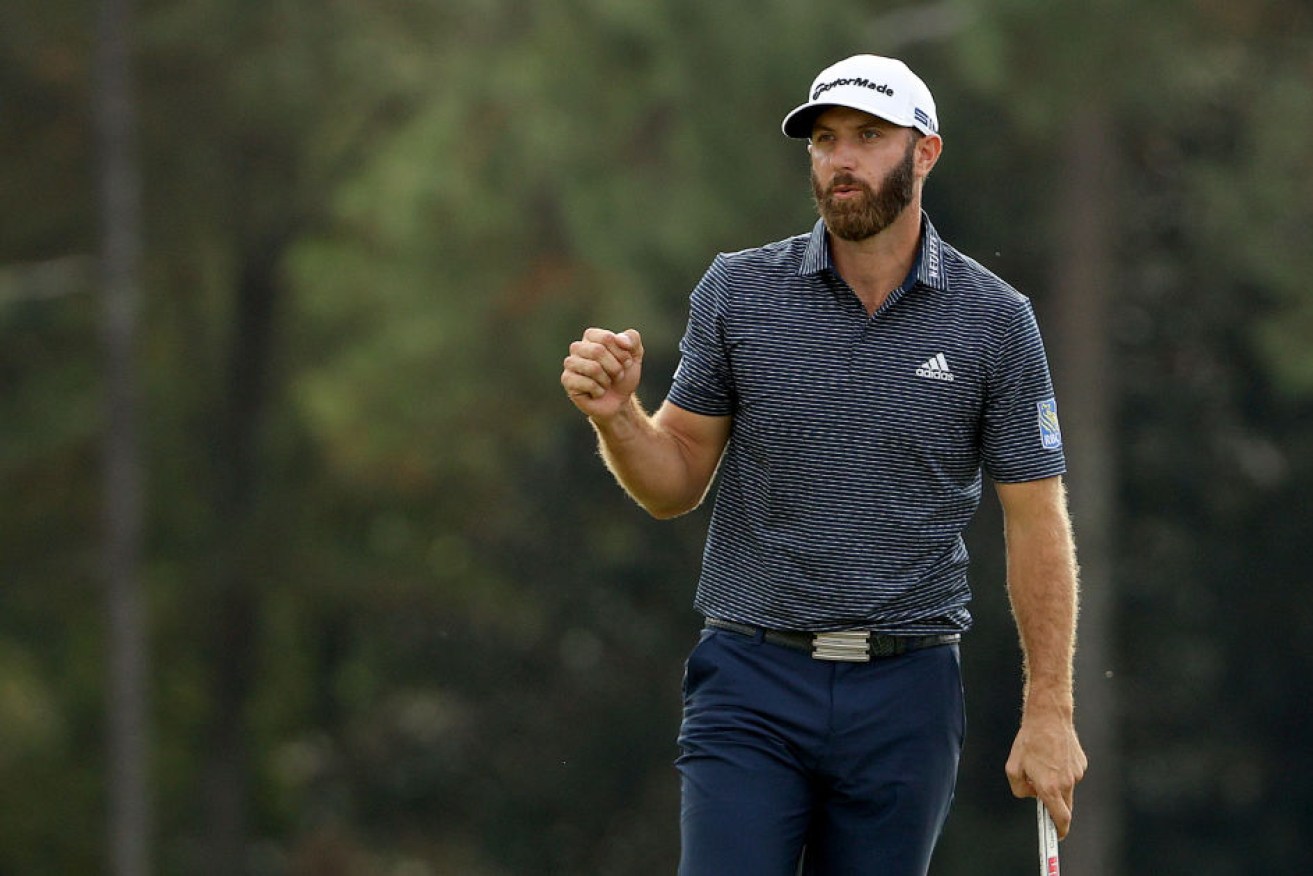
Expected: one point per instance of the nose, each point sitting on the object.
(842, 154)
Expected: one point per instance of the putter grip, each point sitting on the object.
(1048, 841)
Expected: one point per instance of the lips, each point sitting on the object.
(846, 187)
(846, 192)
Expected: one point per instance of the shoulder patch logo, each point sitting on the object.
(1050, 435)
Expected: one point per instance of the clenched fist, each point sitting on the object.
(602, 371)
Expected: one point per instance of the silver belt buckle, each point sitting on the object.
(852, 646)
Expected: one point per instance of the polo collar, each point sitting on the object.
(929, 263)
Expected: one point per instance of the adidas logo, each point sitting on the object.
(935, 368)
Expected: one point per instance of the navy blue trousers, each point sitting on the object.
(855, 763)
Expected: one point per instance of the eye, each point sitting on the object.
(870, 135)
(822, 138)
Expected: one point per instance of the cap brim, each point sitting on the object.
(798, 124)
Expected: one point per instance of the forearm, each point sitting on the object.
(650, 462)
(1046, 760)
(665, 461)
(1042, 586)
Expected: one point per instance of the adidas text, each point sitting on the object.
(935, 368)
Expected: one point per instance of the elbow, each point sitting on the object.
(670, 510)
(669, 499)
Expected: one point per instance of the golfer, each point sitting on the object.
(850, 385)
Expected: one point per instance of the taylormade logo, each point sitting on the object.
(860, 82)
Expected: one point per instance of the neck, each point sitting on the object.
(876, 266)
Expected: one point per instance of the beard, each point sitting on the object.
(860, 218)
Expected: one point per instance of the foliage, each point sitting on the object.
(465, 644)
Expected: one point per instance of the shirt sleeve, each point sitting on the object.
(1022, 440)
(703, 381)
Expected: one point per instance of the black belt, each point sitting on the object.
(855, 646)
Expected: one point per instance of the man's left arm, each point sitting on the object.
(1046, 760)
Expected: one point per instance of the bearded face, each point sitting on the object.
(861, 217)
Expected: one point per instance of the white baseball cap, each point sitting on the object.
(883, 87)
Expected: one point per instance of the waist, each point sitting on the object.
(852, 646)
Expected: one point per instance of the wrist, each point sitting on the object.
(620, 424)
(1048, 700)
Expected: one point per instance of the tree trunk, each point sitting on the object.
(237, 562)
(1085, 283)
(120, 217)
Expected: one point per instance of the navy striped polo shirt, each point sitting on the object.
(855, 454)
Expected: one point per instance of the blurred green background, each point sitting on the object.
(394, 616)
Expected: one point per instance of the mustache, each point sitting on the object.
(846, 179)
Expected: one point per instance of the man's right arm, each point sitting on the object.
(664, 461)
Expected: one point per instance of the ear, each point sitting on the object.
(928, 150)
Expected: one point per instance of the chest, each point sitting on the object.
(818, 376)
